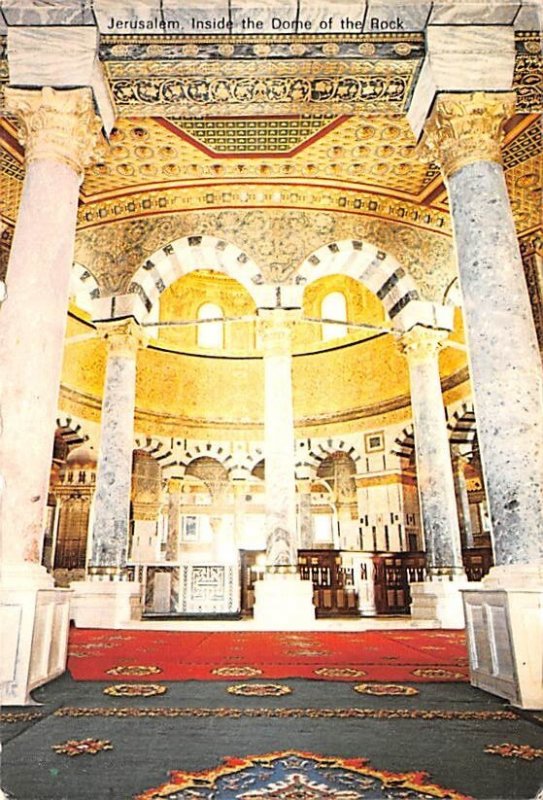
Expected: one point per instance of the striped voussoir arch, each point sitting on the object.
(404, 444)
(71, 432)
(249, 461)
(186, 255)
(462, 425)
(317, 451)
(377, 270)
(83, 286)
(160, 450)
(219, 452)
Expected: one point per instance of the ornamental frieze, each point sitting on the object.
(256, 87)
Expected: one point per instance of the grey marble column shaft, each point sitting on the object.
(113, 481)
(434, 468)
(504, 360)
(462, 500)
(174, 520)
(305, 518)
(279, 441)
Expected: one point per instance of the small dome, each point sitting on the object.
(81, 457)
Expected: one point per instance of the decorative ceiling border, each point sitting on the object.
(294, 86)
(261, 46)
(280, 194)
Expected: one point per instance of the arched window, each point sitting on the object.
(334, 306)
(211, 334)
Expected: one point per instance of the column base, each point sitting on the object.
(504, 624)
(284, 602)
(440, 601)
(105, 604)
(34, 620)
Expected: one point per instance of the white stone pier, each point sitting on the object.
(61, 135)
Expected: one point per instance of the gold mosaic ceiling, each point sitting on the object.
(363, 163)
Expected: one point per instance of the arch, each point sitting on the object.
(191, 253)
(334, 306)
(463, 425)
(404, 444)
(338, 469)
(84, 287)
(377, 270)
(212, 472)
(70, 432)
(314, 453)
(209, 449)
(211, 334)
(249, 461)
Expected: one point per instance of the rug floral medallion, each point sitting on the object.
(259, 690)
(292, 775)
(385, 689)
(135, 690)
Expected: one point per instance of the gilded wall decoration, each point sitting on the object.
(193, 88)
(260, 46)
(374, 152)
(278, 240)
(528, 75)
(12, 184)
(533, 269)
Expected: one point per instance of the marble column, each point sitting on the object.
(464, 134)
(435, 481)
(113, 481)
(503, 614)
(276, 337)
(282, 599)
(462, 498)
(62, 135)
(304, 513)
(174, 520)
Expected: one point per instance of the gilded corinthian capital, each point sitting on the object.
(464, 128)
(422, 344)
(58, 125)
(123, 338)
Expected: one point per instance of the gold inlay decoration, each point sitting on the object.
(465, 128)
(161, 88)
(60, 126)
(277, 239)
(374, 153)
(241, 135)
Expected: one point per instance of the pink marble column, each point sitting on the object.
(61, 135)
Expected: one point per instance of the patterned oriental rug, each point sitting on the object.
(415, 656)
(292, 775)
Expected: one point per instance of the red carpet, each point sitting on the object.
(402, 655)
